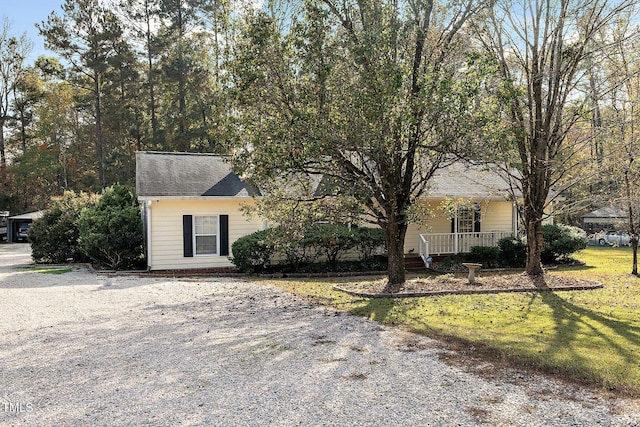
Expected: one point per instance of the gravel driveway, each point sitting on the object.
(80, 349)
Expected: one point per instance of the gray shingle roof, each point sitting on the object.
(197, 175)
(606, 212)
(461, 180)
(187, 175)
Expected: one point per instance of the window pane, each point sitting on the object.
(465, 220)
(206, 224)
(205, 232)
(206, 245)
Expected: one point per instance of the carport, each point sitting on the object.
(13, 222)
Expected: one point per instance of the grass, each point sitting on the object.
(587, 336)
(50, 270)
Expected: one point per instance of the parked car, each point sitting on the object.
(23, 231)
(611, 237)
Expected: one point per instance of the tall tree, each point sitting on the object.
(542, 47)
(13, 52)
(373, 95)
(181, 17)
(26, 93)
(143, 17)
(621, 95)
(85, 36)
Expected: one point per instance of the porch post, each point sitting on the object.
(514, 218)
(455, 232)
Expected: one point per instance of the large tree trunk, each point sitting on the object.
(151, 80)
(3, 158)
(99, 136)
(634, 248)
(396, 233)
(534, 248)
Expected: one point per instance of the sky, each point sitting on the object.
(23, 15)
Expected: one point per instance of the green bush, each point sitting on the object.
(111, 232)
(513, 252)
(321, 242)
(485, 255)
(54, 236)
(369, 241)
(332, 240)
(253, 253)
(560, 241)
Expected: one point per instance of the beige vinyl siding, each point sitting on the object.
(166, 231)
(495, 215)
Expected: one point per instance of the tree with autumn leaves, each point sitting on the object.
(376, 96)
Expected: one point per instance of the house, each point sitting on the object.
(191, 209)
(191, 206)
(484, 211)
(606, 218)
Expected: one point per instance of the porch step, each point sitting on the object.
(413, 262)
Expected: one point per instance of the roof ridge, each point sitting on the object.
(183, 153)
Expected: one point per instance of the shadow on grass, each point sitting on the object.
(378, 309)
(575, 268)
(571, 321)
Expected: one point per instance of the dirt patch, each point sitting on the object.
(448, 284)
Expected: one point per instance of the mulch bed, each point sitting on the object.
(446, 284)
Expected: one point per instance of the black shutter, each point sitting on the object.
(187, 235)
(453, 225)
(476, 218)
(224, 235)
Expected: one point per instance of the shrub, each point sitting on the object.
(560, 241)
(369, 241)
(54, 236)
(332, 240)
(513, 252)
(253, 253)
(291, 244)
(111, 231)
(486, 255)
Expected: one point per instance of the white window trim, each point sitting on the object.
(194, 235)
(467, 216)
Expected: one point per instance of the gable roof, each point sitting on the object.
(606, 212)
(461, 180)
(187, 175)
(208, 175)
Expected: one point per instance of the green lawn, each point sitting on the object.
(591, 336)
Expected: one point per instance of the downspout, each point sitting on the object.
(146, 218)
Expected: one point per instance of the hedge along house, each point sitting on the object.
(191, 209)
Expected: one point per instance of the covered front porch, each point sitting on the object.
(454, 243)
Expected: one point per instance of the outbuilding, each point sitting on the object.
(18, 225)
(605, 218)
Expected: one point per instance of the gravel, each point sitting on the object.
(81, 349)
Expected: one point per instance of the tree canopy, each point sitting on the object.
(376, 96)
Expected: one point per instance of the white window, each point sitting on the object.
(465, 220)
(205, 234)
(469, 218)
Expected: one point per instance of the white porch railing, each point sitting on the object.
(423, 250)
(454, 243)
